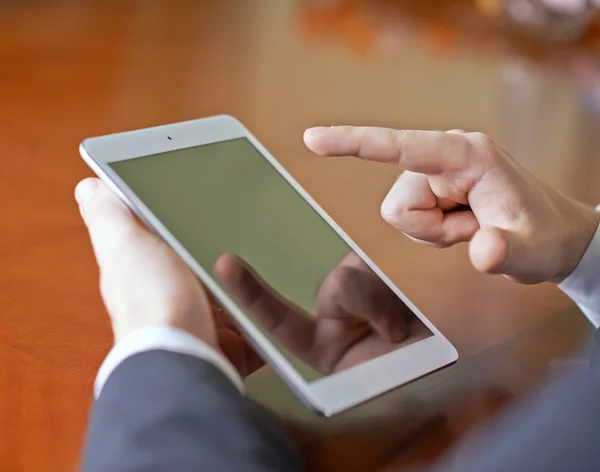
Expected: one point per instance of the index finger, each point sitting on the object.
(426, 152)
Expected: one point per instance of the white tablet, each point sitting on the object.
(312, 303)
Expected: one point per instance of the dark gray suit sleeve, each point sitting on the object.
(163, 411)
(555, 430)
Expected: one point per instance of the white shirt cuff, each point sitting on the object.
(166, 338)
(583, 284)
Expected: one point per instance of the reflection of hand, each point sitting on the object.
(357, 317)
(464, 187)
(144, 283)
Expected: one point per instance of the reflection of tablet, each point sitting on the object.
(317, 309)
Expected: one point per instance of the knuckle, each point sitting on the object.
(340, 284)
(402, 135)
(393, 211)
(98, 207)
(346, 276)
(91, 205)
(482, 141)
(105, 217)
(405, 133)
(338, 280)
(398, 137)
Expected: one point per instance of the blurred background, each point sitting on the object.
(527, 72)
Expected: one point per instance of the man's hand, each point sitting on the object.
(144, 283)
(461, 186)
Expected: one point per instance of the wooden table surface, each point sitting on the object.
(72, 69)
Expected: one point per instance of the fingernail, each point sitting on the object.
(316, 130)
(85, 190)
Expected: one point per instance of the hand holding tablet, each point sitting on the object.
(306, 297)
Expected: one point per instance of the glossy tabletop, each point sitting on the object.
(73, 69)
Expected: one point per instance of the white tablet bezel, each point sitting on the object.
(328, 395)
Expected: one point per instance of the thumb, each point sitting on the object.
(497, 251)
(109, 221)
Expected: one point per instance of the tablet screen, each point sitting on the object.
(286, 268)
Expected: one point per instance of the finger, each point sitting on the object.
(109, 221)
(444, 203)
(229, 322)
(413, 208)
(220, 315)
(497, 251)
(354, 260)
(288, 324)
(428, 152)
(353, 293)
(239, 352)
(458, 226)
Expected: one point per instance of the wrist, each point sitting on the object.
(124, 330)
(579, 231)
(163, 337)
